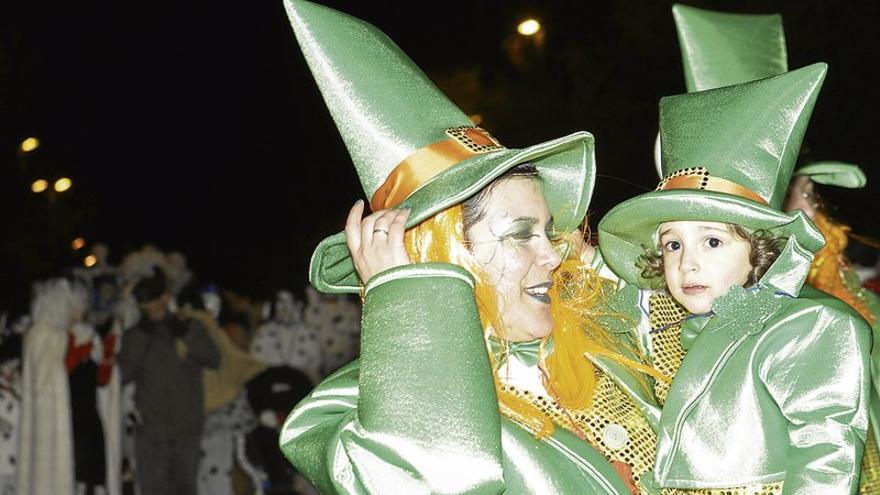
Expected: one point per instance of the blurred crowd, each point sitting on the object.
(139, 378)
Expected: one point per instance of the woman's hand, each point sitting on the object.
(376, 242)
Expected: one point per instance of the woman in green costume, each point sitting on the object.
(772, 394)
(483, 367)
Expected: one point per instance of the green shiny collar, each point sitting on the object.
(739, 312)
(692, 327)
(788, 273)
(527, 352)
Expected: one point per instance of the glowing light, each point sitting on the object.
(39, 186)
(528, 27)
(30, 144)
(476, 118)
(90, 260)
(63, 184)
(78, 243)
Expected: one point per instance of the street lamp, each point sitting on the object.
(30, 144)
(78, 243)
(63, 184)
(90, 260)
(39, 186)
(528, 27)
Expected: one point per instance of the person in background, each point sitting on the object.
(164, 356)
(287, 340)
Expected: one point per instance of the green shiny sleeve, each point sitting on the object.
(418, 413)
(818, 374)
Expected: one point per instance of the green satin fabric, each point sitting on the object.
(773, 388)
(528, 352)
(418, 412)
(720, 49)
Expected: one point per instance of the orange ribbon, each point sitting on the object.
(715, 184)
(416, 169)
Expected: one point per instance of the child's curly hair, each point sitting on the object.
(764, 248)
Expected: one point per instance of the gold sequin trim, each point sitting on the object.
(611, 406)
(475, 139)
(869, 483)
(665, 317)
(769, 489)
(691, 171)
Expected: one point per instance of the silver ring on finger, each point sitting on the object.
(377, 231)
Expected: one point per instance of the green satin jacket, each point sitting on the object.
(418, 412)
(773, 388)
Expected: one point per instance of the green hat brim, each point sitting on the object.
(834, 174)
(630, 228)
(566, 167)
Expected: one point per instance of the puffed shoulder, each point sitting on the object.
(818, 324)
(817, 300)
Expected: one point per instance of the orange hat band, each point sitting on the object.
(427, 162)
(698, 178)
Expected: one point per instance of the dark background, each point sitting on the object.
(196, 125)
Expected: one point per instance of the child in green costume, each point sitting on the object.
(772, 394)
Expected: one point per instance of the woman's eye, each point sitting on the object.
(714, 242)
(672, 246)
(523, 236)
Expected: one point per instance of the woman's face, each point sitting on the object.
(801, 196)
(511, 244)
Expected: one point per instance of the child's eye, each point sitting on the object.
(672, 246)
(714, 242)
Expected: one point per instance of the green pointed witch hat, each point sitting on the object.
(727, 156)
(720, 49)
(411, 146)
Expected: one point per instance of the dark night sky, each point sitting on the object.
(196, 126)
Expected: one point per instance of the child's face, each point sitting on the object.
(701, 261)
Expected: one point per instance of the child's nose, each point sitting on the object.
(689, 262)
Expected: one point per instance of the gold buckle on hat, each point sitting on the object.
(475, 139)
(699, 178)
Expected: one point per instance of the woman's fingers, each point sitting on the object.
(395, 237)
(367, 229)
(397, 225)
(353, 226)
(382, 225)
(376, 241)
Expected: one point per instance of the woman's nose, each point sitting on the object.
(549, 257)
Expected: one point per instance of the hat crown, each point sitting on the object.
(720, 49)
(384, 106)
(749, 134)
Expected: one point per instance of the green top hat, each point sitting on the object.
(720, 49)
(411, 146)
(727, 156)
